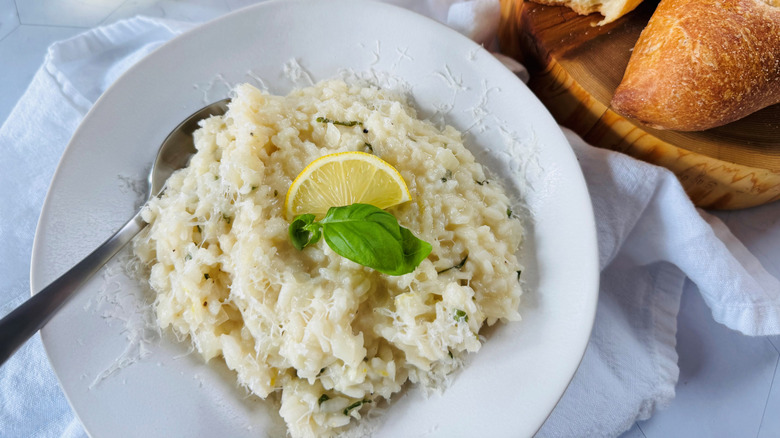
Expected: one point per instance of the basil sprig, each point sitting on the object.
(365, 234)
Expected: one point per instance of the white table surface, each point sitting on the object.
(726, 386)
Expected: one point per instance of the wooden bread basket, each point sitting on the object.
(575, 68)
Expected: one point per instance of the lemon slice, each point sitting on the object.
(345, 178)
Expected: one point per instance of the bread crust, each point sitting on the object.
(703, 63)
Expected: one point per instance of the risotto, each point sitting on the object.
(329, 337)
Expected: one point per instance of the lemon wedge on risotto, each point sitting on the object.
(345, 178)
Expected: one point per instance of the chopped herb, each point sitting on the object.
(336, 122)
(323, 399)
(200, 230)
(253, 188)
(188, 257)
(357, 404)
(461, 316)
(450, 353)
(447, 175)
(370, 148)
(227, 218)
(458, 266)
(321, 371)
(216, 177)
(252, 134)
(206, 276)
(205, 303)
(508, 212)
(518, 274)
(276, 193)
(483, 182)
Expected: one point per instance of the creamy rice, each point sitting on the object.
(332, 338)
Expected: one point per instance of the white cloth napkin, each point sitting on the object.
(651, 238)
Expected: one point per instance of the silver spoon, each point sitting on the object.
(174, 153)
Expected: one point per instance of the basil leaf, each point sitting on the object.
(414, 249)
(364, 213)
(365, 234)
(304, 231)
(372, 237)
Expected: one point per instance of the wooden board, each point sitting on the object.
(575, 68)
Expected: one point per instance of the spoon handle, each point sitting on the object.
(19, 325)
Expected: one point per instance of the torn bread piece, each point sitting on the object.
(610, 9)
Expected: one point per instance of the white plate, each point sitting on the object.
(123, 380)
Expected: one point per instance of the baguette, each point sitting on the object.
(703, 63)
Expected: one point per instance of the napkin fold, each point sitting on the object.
(651, 239)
